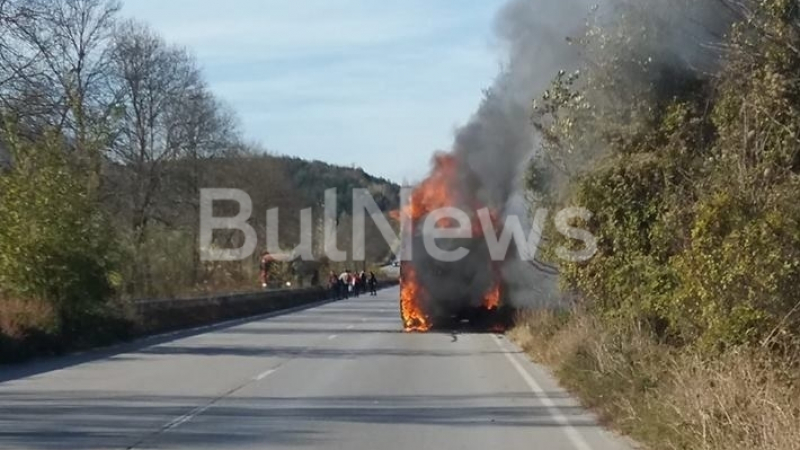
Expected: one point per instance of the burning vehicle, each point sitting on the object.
(485, 169)
(445, 294)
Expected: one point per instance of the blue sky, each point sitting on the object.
(376, 84)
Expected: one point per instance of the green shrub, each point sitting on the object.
(694, 204)
(55, 244)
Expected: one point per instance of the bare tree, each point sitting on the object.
(11, 61)
(207, 130)
(153, 81)
(17, 63)
(56, 55)
(167, 119)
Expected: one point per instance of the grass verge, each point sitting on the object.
(665, 397)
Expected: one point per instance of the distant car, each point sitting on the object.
(395, 263)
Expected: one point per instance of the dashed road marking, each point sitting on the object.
(331, 337)
(186, 417)
(264, 374)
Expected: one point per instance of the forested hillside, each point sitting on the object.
(315, 177)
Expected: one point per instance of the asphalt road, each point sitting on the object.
(338, 376)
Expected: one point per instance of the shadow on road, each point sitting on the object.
(67, 420)
(308, 352)
(23, 370)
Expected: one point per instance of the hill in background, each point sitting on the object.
(312, 178)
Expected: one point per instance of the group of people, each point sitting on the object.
(352, 284)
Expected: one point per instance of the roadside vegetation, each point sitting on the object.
(684, 329)
(107, 134)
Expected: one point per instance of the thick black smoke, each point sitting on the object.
(494, 148)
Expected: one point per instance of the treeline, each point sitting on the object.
(682, 137)
(107, 135)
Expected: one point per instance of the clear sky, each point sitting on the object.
(375, 83)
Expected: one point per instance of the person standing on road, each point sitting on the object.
(333, 286)
(362, 282)
(354, 284)
(373, 284)
(344, 283)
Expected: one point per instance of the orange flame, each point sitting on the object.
(492, 299)
(436, 192)
(414, 318)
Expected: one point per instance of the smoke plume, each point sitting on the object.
(494, 148)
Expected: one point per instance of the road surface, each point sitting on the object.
(338, 376)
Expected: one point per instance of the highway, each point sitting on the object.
(337, 376)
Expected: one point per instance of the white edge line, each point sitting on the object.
(572, 434)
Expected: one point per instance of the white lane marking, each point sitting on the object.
(264, 374)
(331, 337)
(350, 327)
(186, 417)
(572, 434)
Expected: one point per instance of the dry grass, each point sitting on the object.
(743, 400)
(27, 327)
(666, 398)
(18, 317)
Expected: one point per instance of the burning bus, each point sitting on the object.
(483, 171)
(436, 293)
